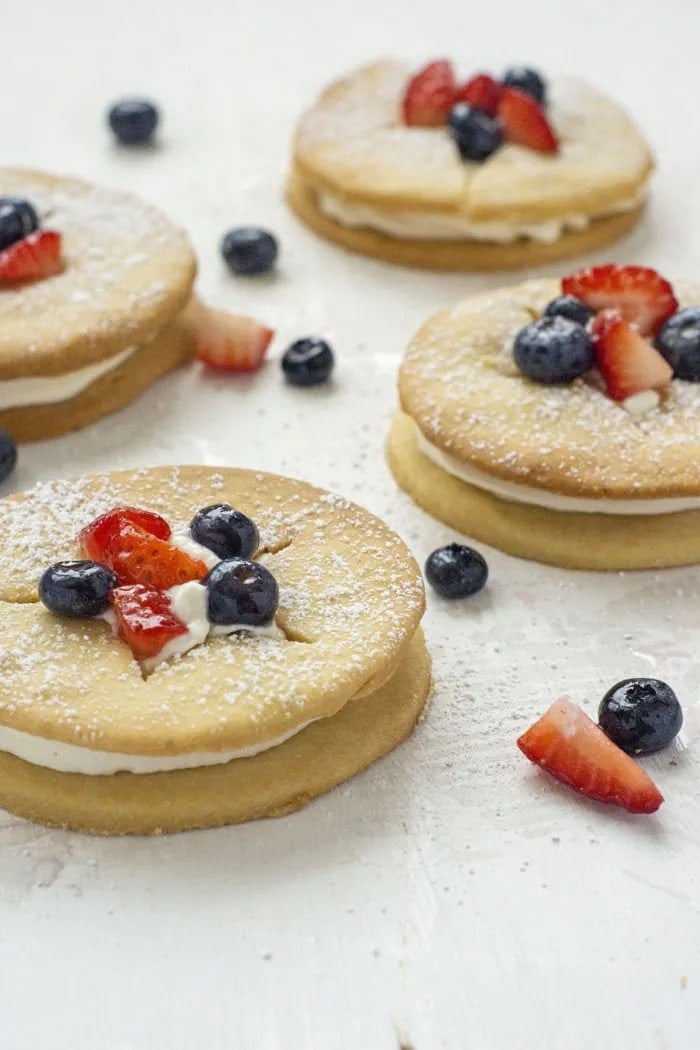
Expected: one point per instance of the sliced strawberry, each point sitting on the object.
(137, 557)
(641, 295)
(524, 121)
(145, 620)
(231, 341)
(482, 92)
(35, 256)
(628, 362)
(576, 751)
(96, 538)
(430, 95)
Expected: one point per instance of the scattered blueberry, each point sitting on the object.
(476, 135)
(640, 714)
(225, 531)
(456, 571)
(249, 251)
(526, 80)
(77, 588)
(308, 362)
(241, 592)
(679, 342)
(133, 121)
(571, 308)
(17, 220)
(8, 455)
(553, 350)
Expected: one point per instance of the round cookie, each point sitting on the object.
(363, 179)
(560, 474)
(351, 599)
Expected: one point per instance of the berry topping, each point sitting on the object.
(96, 539)
(640, 295)
(8, 455)
(679, 342)
(524, 79)
(133, 121)
(640, 715)
(571, 308)
(77, 588)
(249, 251)
(481, 92)
(524, 122)
(567, 744)
(553, 350)
(232, 342)
(34, 257)
(241, 592)
(629, 364)
(308, 362)
(430, 95)
(225, 531)
(17, 220)
(145, 620)
(476, 135)
(456, 571)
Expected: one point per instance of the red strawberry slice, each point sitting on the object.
(35, 256)
(641, 295)
(576, 751)
(524, 121)
(629, 364)
(231, 341)
(482, 92)
(145, 620)
(137, 557)
(430, 95)
(96, 538)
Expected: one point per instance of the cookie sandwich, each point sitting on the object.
(560, 420)
(420, 167)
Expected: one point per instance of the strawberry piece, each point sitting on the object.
(640, 295)
(576, 751)
(482, 92)
(628, 362)
(145, 620)
(231, 342)
(97, 538)
(137, 557)
(34, 257)
(524, 121)
(430, 95)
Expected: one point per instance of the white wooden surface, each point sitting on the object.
(451, 898)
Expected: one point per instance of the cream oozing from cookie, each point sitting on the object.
(50, 390)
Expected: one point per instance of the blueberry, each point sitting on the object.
(526, 80)
(476, 134)
(225, 531)
(456, 571)
(640, 714)
(308, 362)
(133, 121)
(77, 588)
(571, 308)
(679, 342)
(249, 250)
(8, 455)
(17, 220)
(241, 592)
(553, 350)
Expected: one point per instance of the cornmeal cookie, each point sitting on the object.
(92, 303)
(420, 170)
(560, 421)
(244, 643)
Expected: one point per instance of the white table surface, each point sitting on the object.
(451, 898)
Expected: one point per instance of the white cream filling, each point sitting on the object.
(515, 493)
(49, 390)
(407, 224)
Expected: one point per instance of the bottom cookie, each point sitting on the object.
(573, 541)
(269, 784)
(454, 255)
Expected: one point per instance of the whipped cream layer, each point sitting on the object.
(49, 390)
(514, 493)
(407, 224)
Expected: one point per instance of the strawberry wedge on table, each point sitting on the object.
(231, 342)
(567, 744)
